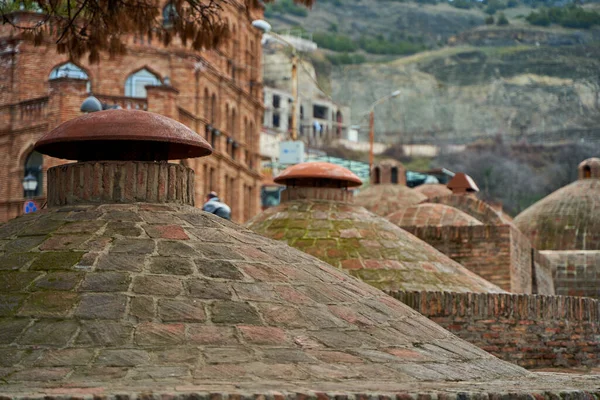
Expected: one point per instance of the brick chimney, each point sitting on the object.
(463, 184)
(318, 181)
(388, 171)
(122, 159)
(589, 169)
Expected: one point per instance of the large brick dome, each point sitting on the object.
(431, 190)
(569, 218)
(321, 223)
(431, 214)
(384, 199)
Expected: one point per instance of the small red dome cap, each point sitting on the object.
(126, 135)
(319, 170)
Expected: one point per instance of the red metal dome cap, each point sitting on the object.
(126, 135)
(319, 170)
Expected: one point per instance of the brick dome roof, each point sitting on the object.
(431, 190)
(478, 209)
(369, 247)
(430, 214)
(106, 295)
(568, 219)
(139, 295)
(384, 199)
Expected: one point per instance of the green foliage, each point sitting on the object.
(333, 28)
(334, 42)
(378, 45)
(346, 59)
(489, 20)
(462, 4)
(285, 7)
(502, 20)
(493, 6)
(571, 16)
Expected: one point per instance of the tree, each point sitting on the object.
(502, 20)
(489, 20)
(81, 27)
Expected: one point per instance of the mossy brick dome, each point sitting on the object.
(431, 214)
(365, 245)
(384, 199)
(158, 299)
(431, 190)
(569, 218)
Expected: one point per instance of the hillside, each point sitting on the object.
(467, 80)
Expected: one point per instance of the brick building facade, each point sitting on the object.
(216, 93)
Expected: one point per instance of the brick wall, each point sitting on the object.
(576, 272)
(498, 253)
(532, 331)
(31, 105)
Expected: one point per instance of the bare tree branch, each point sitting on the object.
(80, 27)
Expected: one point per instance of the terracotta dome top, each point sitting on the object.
(384, 199)
(568, 219)
(431, 214)
(462, 183)
(432, 190)
(123, 135)
(367, 246)
(318, 170)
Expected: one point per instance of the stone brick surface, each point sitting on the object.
(384, 199)
(430, 214)
(366, 246)
(530, 331)
(289, 318)
(575, 273)
(567, 219)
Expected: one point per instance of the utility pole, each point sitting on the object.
(371, 138)
(295, 96)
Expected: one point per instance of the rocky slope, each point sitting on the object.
(478, 81)
(461, 94)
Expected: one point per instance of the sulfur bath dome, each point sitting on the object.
(317, 216)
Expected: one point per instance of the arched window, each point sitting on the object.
(227, 120)
(169, 13)
(587, 172)
(377, 175)
(213, 109)
(233, 123)
(136, 83)
(70, 70)
(33, 166)
(394, 174)
(206, 102)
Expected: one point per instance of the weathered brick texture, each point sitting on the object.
(498, 253)
(576, 273)
(532, 331)
(120, 182)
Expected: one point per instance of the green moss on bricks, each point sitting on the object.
(56, 260)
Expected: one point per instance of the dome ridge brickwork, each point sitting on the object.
(384, 199)
(431, 190)
(567, 219)
(431, 214)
